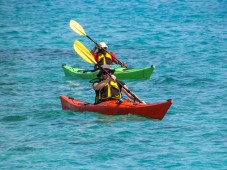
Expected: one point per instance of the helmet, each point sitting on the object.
(103, 45)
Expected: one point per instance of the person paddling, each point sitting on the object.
(107, 88)
(103, 57)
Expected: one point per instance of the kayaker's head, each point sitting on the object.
(102, 47)
(107, 70)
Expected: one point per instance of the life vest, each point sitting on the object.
(104, 59)
(110, 91)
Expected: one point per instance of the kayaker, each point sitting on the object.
(103, 57)
(107, 88)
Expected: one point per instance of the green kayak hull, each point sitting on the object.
(120, 73)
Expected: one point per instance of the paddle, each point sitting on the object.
(84, 53)
(75, 26)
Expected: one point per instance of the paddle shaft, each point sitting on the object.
(135, 97)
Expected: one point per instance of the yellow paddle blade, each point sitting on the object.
(75, 26)
(83, 52)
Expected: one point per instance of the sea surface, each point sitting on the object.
(185, 40)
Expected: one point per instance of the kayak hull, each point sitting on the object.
(113, 107)
(120, 73)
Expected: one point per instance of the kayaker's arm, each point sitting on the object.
(94, 50)
(121, 64)
(115, 60)
(129, 95)
(100, 85)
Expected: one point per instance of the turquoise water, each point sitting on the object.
(185, 40)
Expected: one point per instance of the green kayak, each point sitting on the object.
(120, 73)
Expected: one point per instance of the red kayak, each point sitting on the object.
(114, 107)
